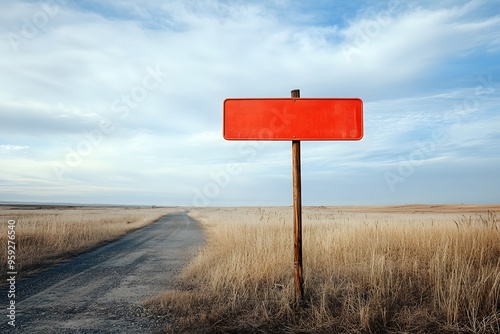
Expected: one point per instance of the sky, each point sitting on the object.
(120, 102)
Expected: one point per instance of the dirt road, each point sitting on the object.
(102, 291)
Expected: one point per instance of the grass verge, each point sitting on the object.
(364, 273)
(45, 236)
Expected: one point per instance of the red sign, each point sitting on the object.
(293, 119)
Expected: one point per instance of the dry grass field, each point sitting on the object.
(409, 269)
(47, 235)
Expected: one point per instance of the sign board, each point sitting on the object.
(293, 119)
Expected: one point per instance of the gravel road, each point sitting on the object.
(102, 291)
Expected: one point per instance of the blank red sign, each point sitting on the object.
(293, 119)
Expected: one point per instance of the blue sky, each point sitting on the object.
(120, 102)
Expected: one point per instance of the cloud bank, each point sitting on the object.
(121, 102)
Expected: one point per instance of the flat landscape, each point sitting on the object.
(397, 269)
(241, 167)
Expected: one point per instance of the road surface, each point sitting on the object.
(102, 291)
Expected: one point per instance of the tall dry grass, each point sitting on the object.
(364, 272)
(45, 236)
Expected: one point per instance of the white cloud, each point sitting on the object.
(12, 149)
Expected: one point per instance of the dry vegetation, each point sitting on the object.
(372, 271)
(47, 235)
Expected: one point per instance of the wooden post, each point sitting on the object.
(297, 217)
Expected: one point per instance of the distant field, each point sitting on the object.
(46, 235)
(413, 269)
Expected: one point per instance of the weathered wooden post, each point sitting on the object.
(297, 216)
